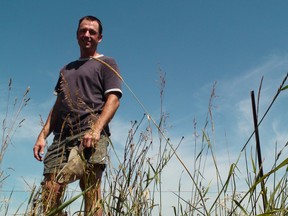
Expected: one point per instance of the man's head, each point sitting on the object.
(92, 18)
(89, 35)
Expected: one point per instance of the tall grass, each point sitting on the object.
(11, 121)
(132, 184)
(134, 181)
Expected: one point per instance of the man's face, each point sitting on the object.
(88, 35)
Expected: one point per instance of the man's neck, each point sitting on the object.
(90, 55)
(96, 55)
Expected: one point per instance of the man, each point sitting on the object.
(88, 93)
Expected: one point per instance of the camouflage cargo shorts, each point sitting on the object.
(58, 153)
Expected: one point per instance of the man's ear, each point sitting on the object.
(100, 38)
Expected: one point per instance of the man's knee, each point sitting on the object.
(50, 187)
(92, 176)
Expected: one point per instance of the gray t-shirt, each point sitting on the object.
(82, 87)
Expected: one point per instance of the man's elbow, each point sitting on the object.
(114, 100)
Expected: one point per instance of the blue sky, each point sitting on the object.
(195, 43)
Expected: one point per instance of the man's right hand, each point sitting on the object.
(39, 149)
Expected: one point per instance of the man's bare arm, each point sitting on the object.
(45, 132)
(111, 105)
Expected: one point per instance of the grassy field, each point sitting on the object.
(133, 179)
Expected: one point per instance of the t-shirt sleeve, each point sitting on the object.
(112, 80)
(57, 88)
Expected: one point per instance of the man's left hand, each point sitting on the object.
(91, 138)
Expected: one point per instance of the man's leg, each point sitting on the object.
(92, 197)
(52, 193)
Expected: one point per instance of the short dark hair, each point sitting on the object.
(92, 18)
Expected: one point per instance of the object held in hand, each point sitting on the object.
(74, 169)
